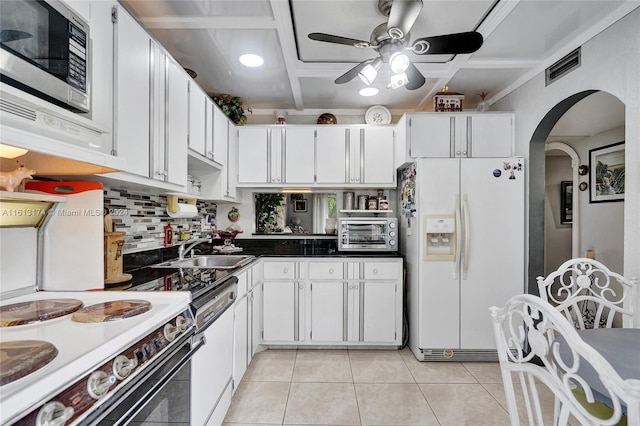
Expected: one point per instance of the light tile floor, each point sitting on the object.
(367, 387)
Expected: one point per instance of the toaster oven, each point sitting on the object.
(367, 234)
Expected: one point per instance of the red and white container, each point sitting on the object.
(72, 245)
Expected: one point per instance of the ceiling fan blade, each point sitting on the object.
(339, 40)
(467, 42)
(352, 73)
(415, 77)
(402, 16)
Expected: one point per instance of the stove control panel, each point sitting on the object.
(73, 404)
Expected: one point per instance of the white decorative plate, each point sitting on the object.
(377, 114)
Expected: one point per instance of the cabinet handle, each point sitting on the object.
(355, 286)
(331, 271)
(350, 286)
(301, 286)
(285, 270)
(375, 271)
(464, 153)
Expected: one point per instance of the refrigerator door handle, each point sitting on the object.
(465, 219)
(456, 261)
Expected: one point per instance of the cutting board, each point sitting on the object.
(111, 311)
(36, 310)
(19, 358)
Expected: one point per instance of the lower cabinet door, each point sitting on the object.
(217, 417)
(328, 312)
(212, 368)
(240, 341)
(378, 311)
(279, 309)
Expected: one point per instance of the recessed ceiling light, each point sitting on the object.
(368, 91)
(251, 60)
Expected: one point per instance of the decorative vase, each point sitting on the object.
(483, 105)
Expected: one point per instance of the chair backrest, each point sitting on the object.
(587, 293)
(539, 349)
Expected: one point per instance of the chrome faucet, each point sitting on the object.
(182, 250)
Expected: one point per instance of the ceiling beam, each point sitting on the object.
(210, 22)
(284, 26)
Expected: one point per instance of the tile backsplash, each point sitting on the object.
(144, 216)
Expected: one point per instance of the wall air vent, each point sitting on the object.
(563, 67)
(16, 109)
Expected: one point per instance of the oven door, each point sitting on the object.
(160, 392)
(370, 235)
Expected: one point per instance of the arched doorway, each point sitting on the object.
(537, 183)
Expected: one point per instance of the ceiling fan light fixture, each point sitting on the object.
(368, 74)
(398, 80)
(399, 62)
(368, 91)
(370, 71)
(251, 60)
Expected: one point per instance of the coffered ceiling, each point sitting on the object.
(521, 39)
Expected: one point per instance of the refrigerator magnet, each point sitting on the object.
(497, 173)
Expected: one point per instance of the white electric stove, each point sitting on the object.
(97, 364)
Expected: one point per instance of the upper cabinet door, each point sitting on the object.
(177, 127)
(252, 154)
(220, 135)
(197, 118)
(491, 135)
(378, 156)
(331, 155)
(299, 146)
(131, 128)
(430, 136)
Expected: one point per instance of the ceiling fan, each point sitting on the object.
(391, 39)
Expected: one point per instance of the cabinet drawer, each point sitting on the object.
(382, 271)
(279, 270)
(324, 270)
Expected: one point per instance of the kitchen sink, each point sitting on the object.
(221, 261)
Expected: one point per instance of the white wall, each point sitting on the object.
(610, 62)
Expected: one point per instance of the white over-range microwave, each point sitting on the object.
(44, 51)
(368, 234)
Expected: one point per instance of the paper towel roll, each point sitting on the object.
(184, 210)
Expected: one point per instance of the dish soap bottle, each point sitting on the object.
(168, 235)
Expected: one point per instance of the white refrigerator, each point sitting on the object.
(462, 232)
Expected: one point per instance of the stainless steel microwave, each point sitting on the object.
(367, 234)
(45, 51)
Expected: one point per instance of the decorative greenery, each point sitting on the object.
(232, 107)
(267, 212)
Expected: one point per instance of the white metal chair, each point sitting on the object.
(588, 294)
(529, 334)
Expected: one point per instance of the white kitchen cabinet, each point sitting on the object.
(283, 302)
(240, 338)
(168, 132)
(231, 168)
(356, 156)
(441, 135)
(276, 155)
(132, 79)
(150, 123)
(252, 155)
(338, 302)
(197, 118)
(218, 136)
(299, 155)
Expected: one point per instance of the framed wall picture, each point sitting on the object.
(566, 202)
(300, 206)
(606, 167)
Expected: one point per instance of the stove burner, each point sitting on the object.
(20, 358)
(36, 311)
(111, 311)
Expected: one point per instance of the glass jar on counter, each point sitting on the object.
(197, 187)
(189, 184)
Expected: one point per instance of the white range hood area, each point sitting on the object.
(74, 145)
